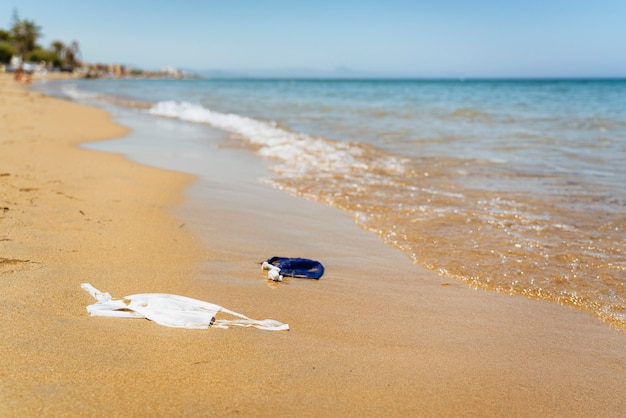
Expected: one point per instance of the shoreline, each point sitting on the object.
(376, 335)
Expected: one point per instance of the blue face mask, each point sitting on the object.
(302, 268)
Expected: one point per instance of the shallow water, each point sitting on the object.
(514, 186)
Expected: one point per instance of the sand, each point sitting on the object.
(375, 336)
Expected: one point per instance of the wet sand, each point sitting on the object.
(376, 335)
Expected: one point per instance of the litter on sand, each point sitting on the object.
(172, 311)
(302, 268)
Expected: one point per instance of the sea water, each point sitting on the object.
(517, 186)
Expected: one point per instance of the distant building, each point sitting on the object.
(171, 72)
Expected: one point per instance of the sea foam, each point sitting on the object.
(299, 152)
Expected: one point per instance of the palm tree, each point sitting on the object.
(24, 34)
(58, 47)
(72, 54)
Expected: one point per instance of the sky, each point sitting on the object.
(418, 38)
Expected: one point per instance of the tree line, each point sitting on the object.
(20, 40)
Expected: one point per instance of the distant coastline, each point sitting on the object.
(99, 71)
(95, 71)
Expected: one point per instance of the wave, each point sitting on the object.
(75, 93)
(300, 153)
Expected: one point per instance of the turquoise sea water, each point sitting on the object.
(515, 186)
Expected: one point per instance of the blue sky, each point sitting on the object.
(445, 38)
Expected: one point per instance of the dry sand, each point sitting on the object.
(376, 335)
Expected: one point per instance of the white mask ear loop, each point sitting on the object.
(273, 271)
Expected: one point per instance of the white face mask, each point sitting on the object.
(172, 311)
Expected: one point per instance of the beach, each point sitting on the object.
(376, 335)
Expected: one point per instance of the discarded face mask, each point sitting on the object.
(302, 268)
(172, 311)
